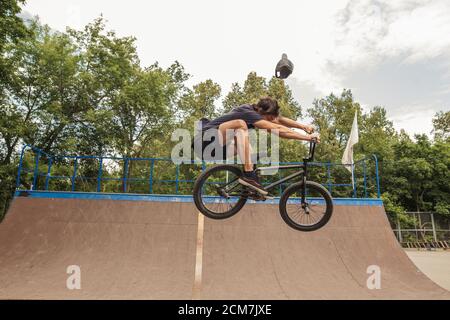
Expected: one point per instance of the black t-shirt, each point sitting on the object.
(244, 112)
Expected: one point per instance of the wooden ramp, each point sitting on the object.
(161, 248)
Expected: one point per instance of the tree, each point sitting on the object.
(11, 25)
(44, 91)
(254, 88)
(12, 30)
(143, 110)
(333, 117)
(107, 64)
(131, 107)
(377, 134)
(441, 125)
(200, 102)
(419, 178)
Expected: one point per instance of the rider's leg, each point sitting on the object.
(240, 133)
(233, 151)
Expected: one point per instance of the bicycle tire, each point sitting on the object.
(311, 186)
(197, 193)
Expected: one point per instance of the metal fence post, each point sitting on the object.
(75, 166)
(47, 178)
(125, 176)
(415, 225)
(99, 176)
(329, 177)
(36, 170)
(177, 175)
(152, 166)
(399, 231)
(354, 181)
(434, 227)
(365, 181)
(19, 171)
(376, 176)
(280, 189)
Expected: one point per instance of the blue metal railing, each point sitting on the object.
(153, 178)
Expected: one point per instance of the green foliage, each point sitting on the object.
(198, 102)
(256, 87)
(333, 116)
(395, 211)
(441, 125)
(7, 179)
(419, 173)
(12, 31)
(11, 26)
(414, 173)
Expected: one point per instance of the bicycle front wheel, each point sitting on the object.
(217, 192)
(308, 216)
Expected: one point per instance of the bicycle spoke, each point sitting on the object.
(234, 186)
(298, 214)
(220, 191)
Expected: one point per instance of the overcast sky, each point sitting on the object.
(393, 53)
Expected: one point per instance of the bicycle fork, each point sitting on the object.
(304, 204)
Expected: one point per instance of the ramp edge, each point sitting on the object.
(372, 202)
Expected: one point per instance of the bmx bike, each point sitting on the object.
(304, 205)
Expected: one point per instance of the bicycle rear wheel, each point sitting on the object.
(217, 192)
(313, 214)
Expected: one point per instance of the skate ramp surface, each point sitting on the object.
(132, 247)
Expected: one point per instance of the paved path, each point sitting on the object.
(434, 264)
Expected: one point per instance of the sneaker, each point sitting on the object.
(250, 179)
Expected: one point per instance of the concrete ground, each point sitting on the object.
(434, 264)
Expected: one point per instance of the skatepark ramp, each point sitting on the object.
(159, 247)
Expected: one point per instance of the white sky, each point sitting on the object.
(390, 53)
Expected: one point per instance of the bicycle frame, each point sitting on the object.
(234, 196)
(303, 172)
(285, 179)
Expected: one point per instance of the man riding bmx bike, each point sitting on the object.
(263, 115)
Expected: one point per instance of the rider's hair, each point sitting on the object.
(267, 106)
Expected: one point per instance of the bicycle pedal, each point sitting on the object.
(268, 197)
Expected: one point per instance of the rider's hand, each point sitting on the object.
(308, 129)
(315, 136)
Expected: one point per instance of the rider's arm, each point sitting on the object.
(294, 124)
(281, 130)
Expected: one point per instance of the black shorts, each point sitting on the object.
(211, 155)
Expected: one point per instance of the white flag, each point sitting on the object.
(347, 158)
